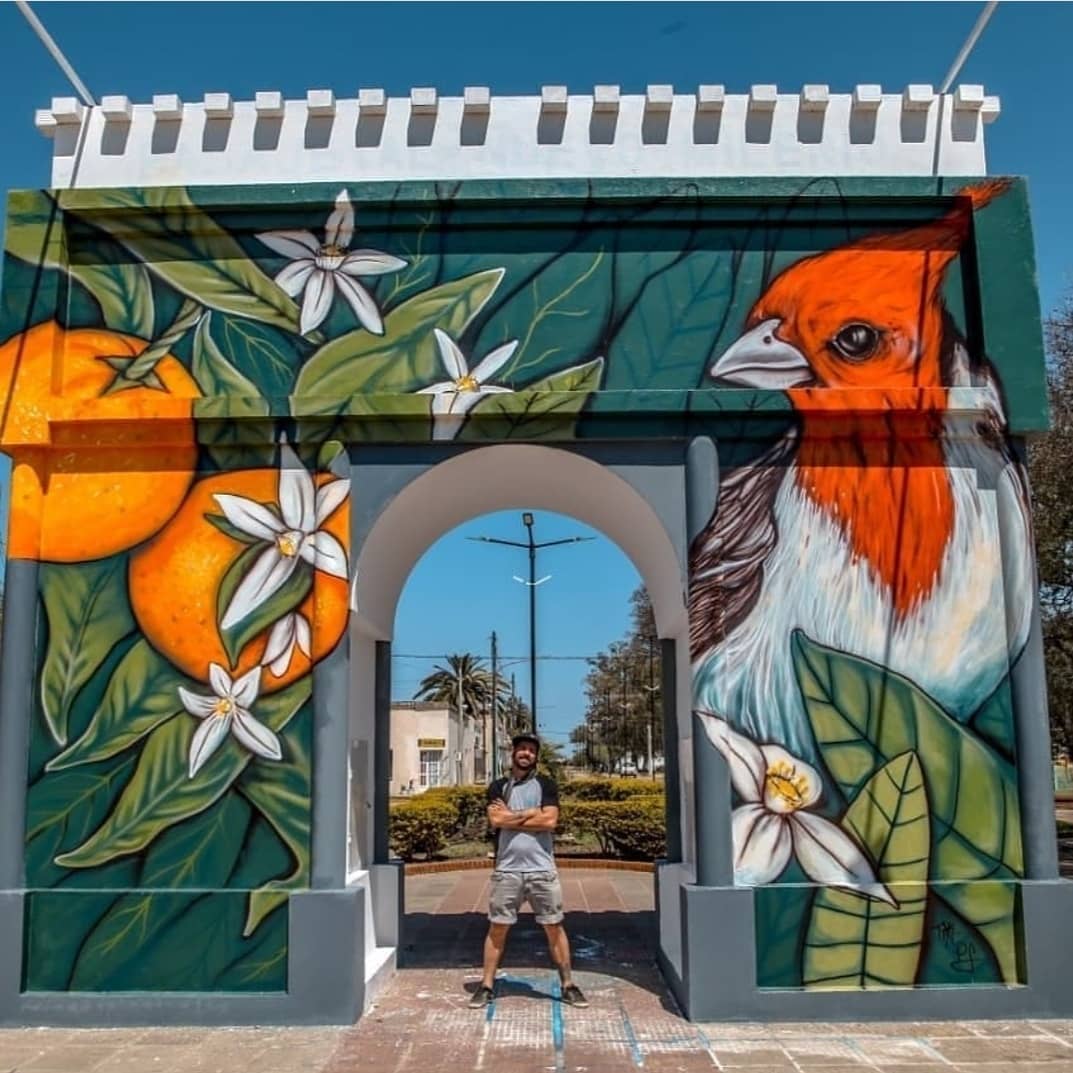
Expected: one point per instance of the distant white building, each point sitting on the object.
(430, 748)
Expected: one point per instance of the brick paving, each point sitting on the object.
(421, 1024)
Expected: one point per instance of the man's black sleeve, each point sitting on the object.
(549, 792)
(495, 789)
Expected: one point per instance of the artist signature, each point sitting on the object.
(964, 950)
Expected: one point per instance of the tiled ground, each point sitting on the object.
(421, 1023)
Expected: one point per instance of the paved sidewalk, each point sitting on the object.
(421, 1023)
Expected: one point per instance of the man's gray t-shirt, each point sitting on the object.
(525, 851)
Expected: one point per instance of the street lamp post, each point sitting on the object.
(531, 546)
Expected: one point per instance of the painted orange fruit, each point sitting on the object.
(85, 489)
(174, 581)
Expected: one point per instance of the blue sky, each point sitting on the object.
(141, 49)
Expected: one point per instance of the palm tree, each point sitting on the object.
(442, 684)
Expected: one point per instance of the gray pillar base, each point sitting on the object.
(717, 979)
(388, 893)
(325, 977)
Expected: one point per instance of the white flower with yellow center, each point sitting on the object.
(454, 398)
(227, 712)
(290, 632)
(772, 824)
(319, 268)
(293, 534)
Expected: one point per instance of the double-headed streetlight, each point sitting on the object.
(532, 547)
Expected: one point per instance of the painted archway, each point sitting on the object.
(639, 506)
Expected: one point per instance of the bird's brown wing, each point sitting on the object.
(726, 560)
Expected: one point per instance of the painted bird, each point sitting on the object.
(885, 524)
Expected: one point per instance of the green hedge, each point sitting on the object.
(613, 788)
(422, 825)
(633, 829)
(470, 804)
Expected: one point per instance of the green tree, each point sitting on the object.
(1050, 463)
(442, 684)
(622, 688)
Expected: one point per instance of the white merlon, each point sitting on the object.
(554, 98)
(68, 111)
(605, 98)
(710, 98)
(218, 105)
(45, 121)
(867, 97)
(660, 133)
(815, 98)
(320, 102)
(268, 103)
(117, 109)
(372, 101)
(477, 100)
(762, 98)
(167, 106)
(969, 98)
(659, 98)
(423, 100)
(918, 98)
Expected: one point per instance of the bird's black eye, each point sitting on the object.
(856, 341)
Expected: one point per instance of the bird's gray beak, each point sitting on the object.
(760, 358)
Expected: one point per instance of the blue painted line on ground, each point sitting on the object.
(631, 1038)
(557, 1032)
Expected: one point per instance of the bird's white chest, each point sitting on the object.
(955, 643)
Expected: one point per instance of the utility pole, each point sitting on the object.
(461, 727)
(531, 546)
(651, 703)
(494, 772)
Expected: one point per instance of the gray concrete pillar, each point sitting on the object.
(16, 710)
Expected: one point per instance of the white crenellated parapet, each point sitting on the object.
(558, 134)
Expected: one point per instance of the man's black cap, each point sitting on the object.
(519, 738)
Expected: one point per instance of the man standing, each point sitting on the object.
(523, 808)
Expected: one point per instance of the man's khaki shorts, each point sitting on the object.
(510, 890)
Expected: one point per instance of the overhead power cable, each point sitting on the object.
(970, 44)
(55, 52)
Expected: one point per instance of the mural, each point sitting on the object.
(858, 598)
(183, 374)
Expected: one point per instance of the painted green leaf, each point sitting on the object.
(283, 794)
(122, 290)
(64, 809)
(404, 358)
(859, 942)
(239, 441)
(265, 355)
(196, 855)
(33, 232)
(142, 693)
(667, 337)
(161, 793)
(284, 600)
(88, 612)
(862, 716)
(214, 374)
(557, 306)
(546, 408)
(190, 252)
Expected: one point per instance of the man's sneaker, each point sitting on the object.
(483, 996)
(574, 996)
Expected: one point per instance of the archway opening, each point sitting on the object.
(566, 495)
